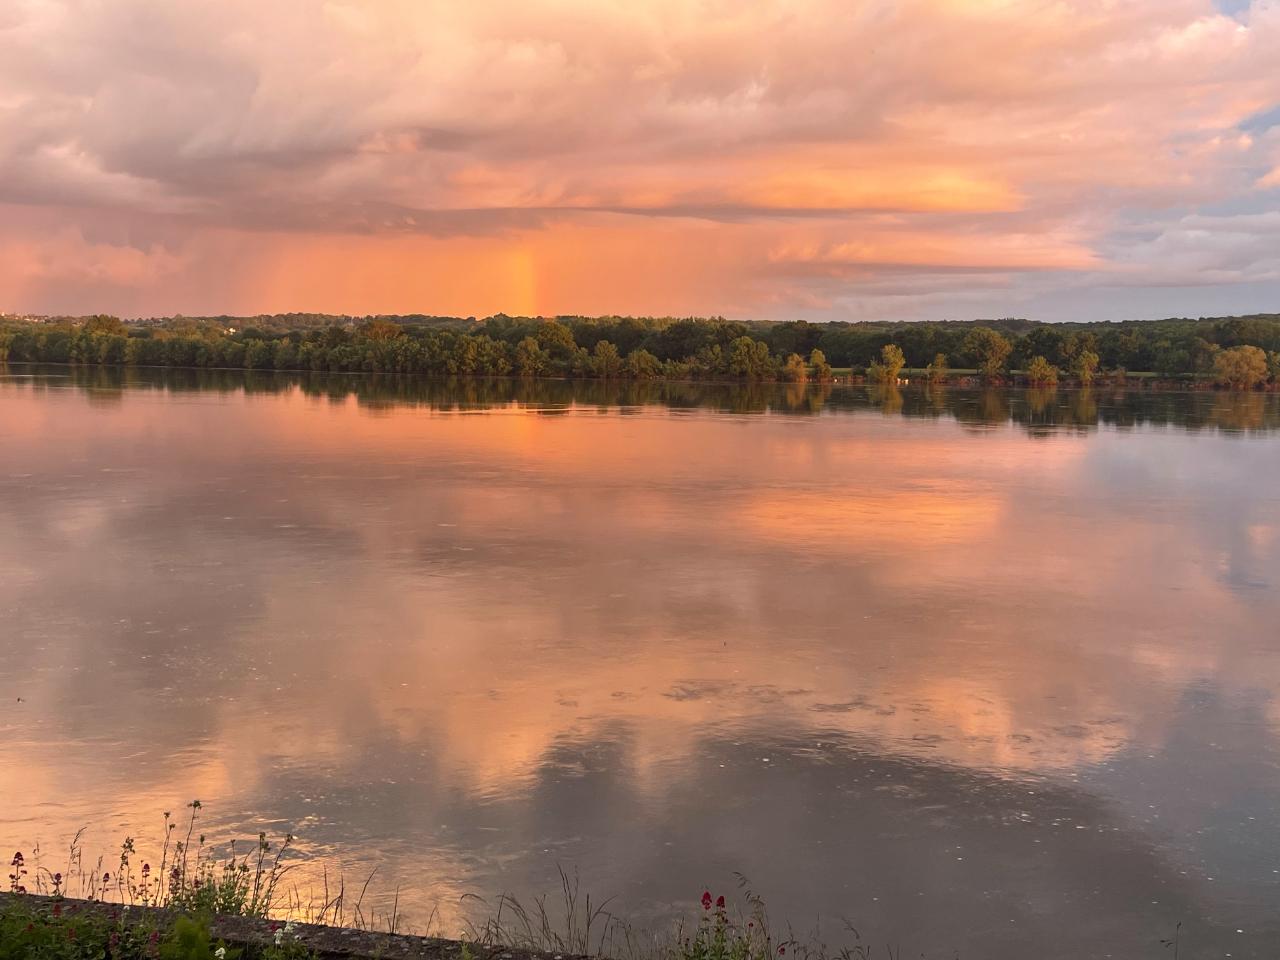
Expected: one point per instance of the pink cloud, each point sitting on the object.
(923, 135)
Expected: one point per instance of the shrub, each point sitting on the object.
(1240, 368)
(1041, 373)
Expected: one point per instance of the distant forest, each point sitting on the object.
(1236, 351)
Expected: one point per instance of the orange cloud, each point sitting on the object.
(568, 155)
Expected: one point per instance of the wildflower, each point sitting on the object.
(782, 951)
(17, 860)
(706, 900)
(279, 938)
(146, 869)
(106, 878)
(720, 903)
(221, 953)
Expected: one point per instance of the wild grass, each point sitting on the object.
(194, 880)
(190, 877)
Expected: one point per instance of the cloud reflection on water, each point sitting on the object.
(469, 645)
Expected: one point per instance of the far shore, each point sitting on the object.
(917, 378)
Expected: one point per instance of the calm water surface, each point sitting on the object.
(992, 674)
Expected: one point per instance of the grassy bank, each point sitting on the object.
(205, 901)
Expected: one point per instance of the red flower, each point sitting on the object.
(720, 902)
(706, 900)
(782, 951)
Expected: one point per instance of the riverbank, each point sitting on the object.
(1138, 381)
(89, 923)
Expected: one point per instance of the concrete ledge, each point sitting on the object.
(329, 943)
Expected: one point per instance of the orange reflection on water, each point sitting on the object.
(233, 596)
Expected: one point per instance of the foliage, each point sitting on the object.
(606, 361)
(821, 369)
(65, 931)
(1079, 353)
(1041, 373)
(191, 877)
(189, 940)
(889, 366)
(531, 360)
(64, 934)
(795, 370)
(716, 937)
(673, 348)
(642, 365)
(937, 369)
(989, 351)
(1240, 368)
(749, 359)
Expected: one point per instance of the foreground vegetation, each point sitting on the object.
(167, 913)
(1238, 352)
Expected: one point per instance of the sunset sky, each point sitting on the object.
(816, 159)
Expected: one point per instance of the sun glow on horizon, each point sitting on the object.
(919, 159)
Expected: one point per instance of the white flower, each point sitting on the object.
(221, 953)
(288, 927)
(279, 937)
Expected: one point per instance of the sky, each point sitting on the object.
(770, 159)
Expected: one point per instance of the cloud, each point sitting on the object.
(924, 135)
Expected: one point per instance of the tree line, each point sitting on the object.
(1239, 351)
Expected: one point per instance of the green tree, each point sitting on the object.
(643, 365)
(1240, 368)
(102, 323)
(556, 339)
(1085, 366)
(605, 360)
(492, 356)
(821, 369)
(749, 359)
(285, 356)
(531, 359)
(794, 369)
(258, 354)
(380, 328)
(1041, 373)
(111, 349)
(989, 350)
(890, 364)
(937, 369)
